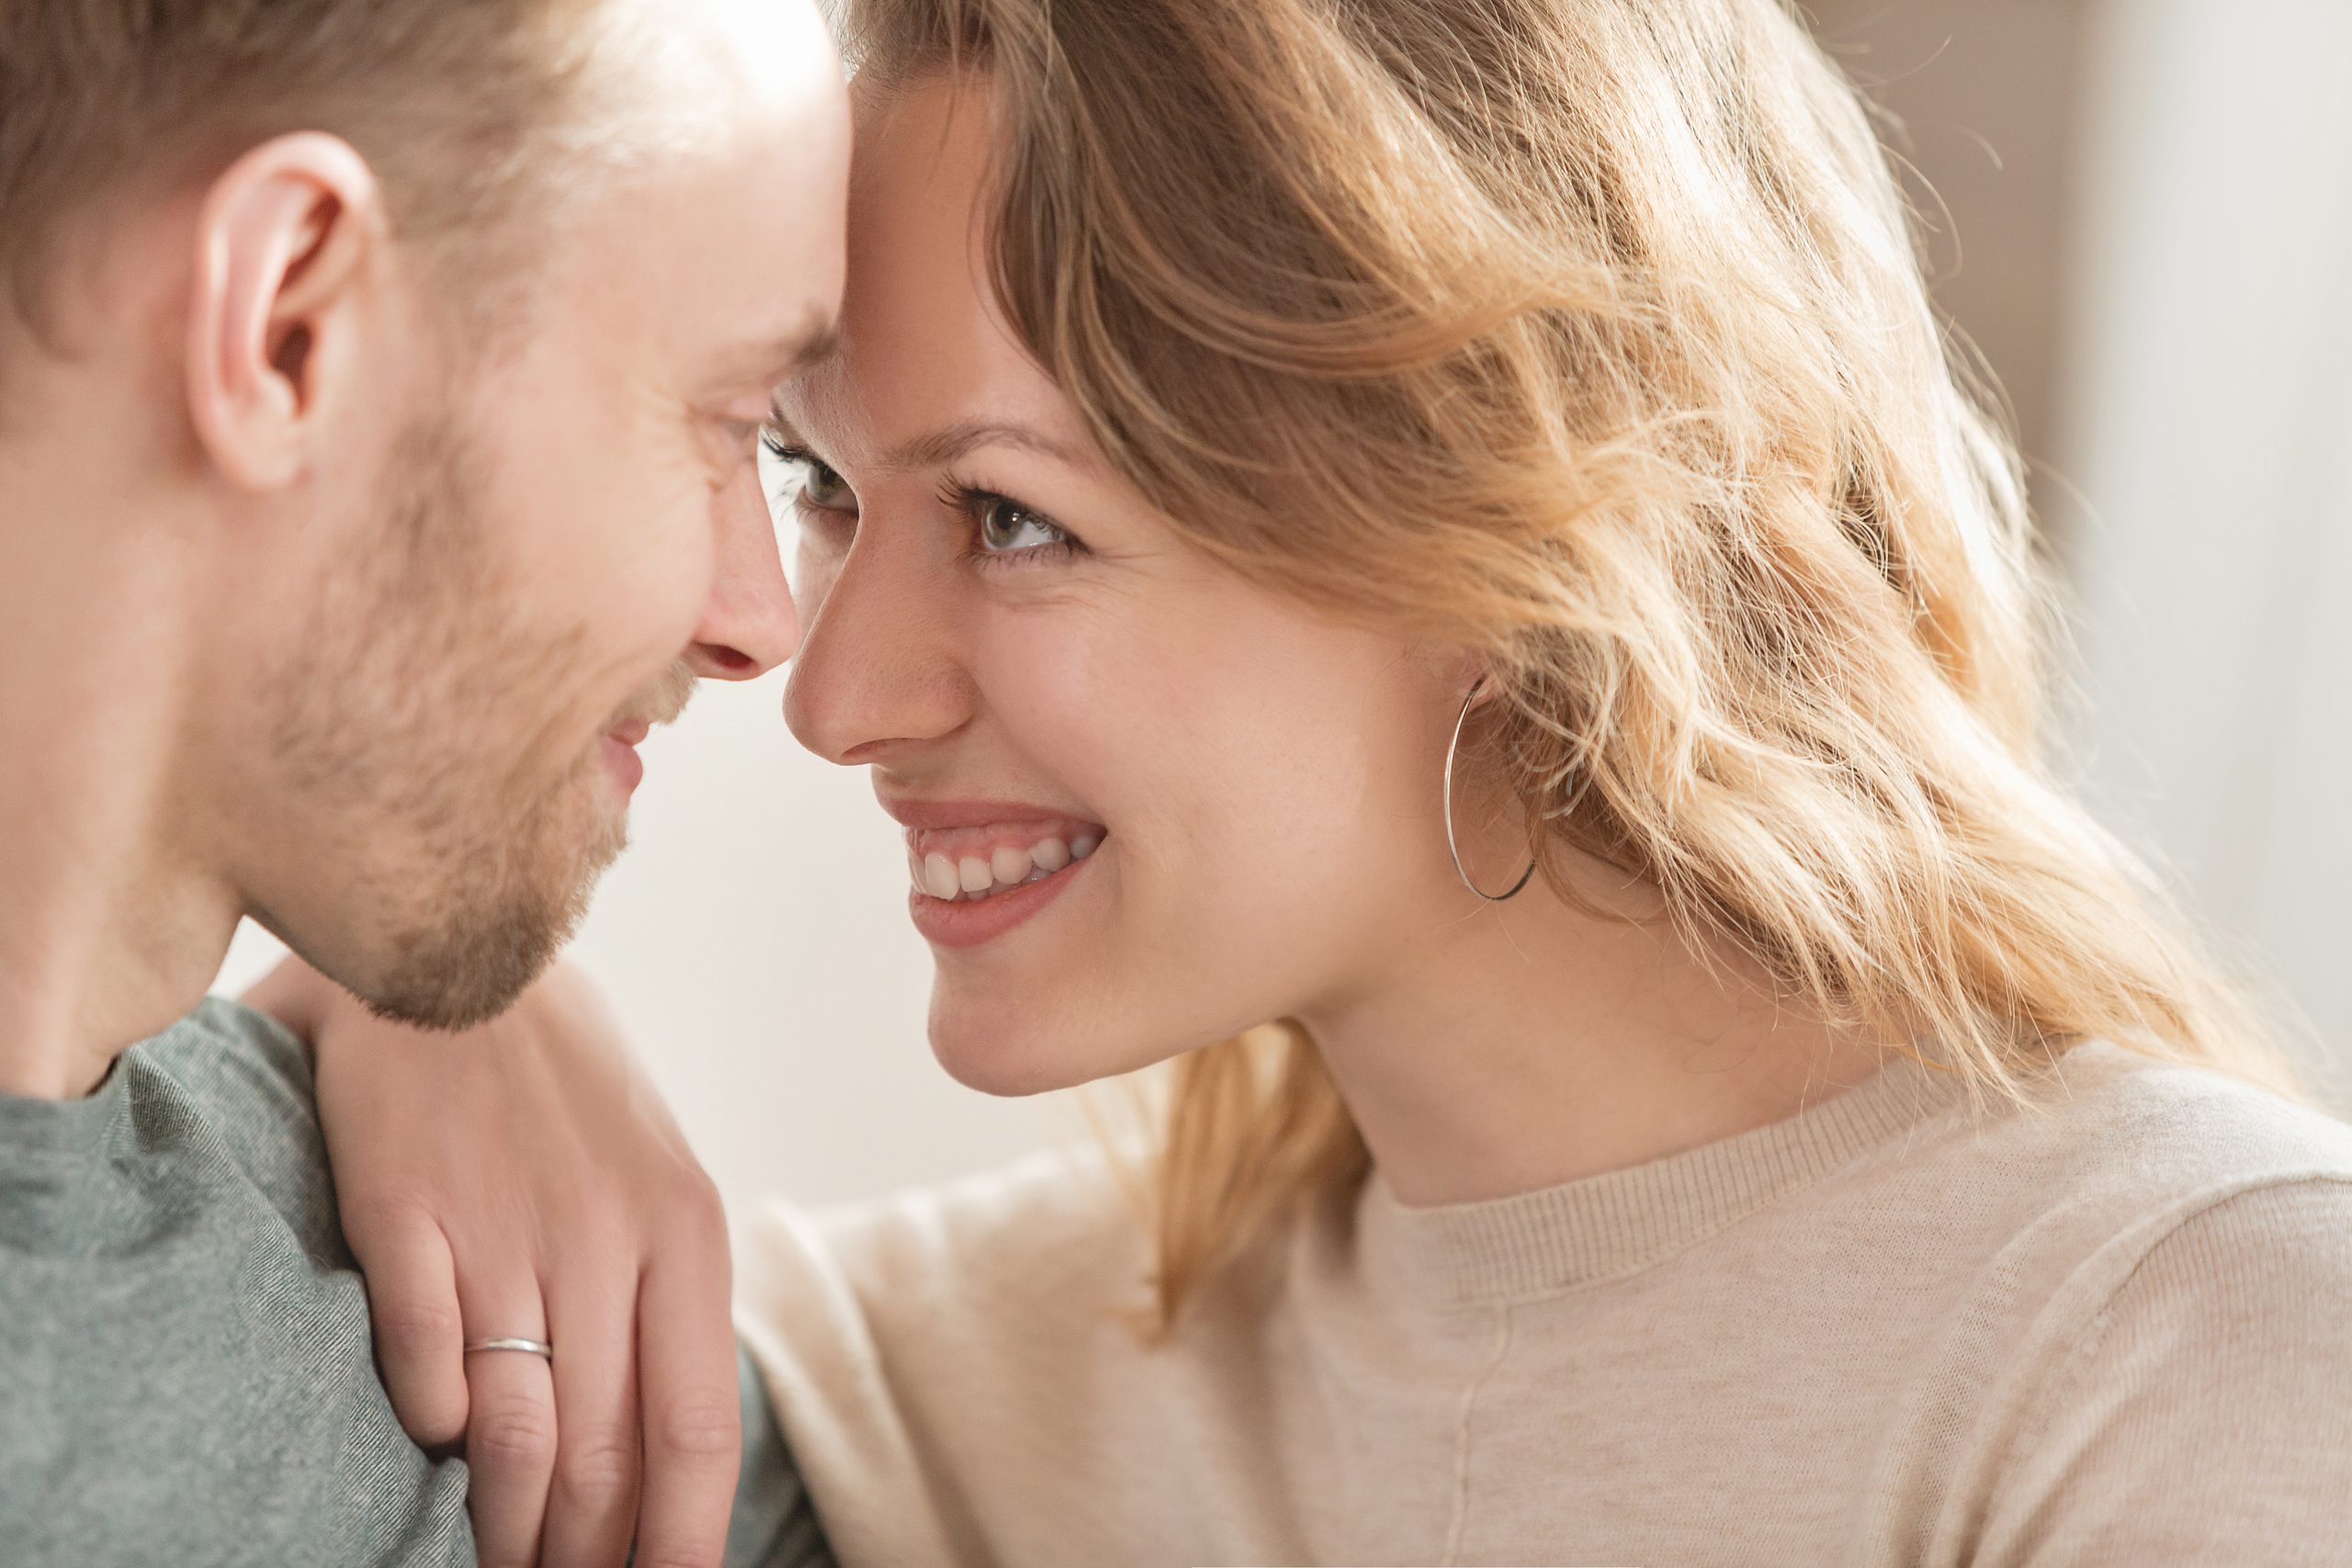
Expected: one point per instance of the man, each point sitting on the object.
(379, 386)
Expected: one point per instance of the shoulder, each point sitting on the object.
(207, 1331)
(2115, 1150)
(2164, 1116)
(2226, 1161)
(2225, 1200)
(233, 1063)
(2197, 1405)
(1993, 1246)
(231, 1089)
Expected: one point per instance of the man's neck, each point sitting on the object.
(109, 928)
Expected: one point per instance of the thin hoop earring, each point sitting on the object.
(1450, 847)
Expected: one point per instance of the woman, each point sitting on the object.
(1426, 561)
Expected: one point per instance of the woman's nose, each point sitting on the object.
(749, 628)
(882, 671)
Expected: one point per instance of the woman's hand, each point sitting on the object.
(523, 1180)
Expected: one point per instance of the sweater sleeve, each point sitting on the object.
(2205, 1415)
(875, 1485)
(956, 1387)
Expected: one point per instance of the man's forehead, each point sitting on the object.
(700, 62)
(773, 48)
(780, 352)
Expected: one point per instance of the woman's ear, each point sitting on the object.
(1455, 672)
(287, 243)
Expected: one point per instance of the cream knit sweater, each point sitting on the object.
(2116, 1330)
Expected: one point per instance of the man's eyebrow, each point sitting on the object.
(816, 340)
(814, 347)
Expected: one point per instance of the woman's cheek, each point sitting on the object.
(1072, 691)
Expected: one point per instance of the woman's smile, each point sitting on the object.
(980, 868)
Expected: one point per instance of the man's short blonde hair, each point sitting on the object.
(458, 105)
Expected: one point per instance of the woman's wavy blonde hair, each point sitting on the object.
(1588, 335)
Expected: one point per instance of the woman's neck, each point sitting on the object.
(1534, 1043)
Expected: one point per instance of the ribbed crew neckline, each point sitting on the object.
(1600, 1227)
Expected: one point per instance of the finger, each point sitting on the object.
(420, 1335)
(592, 1508)
(693, 1412)
(511, 1436)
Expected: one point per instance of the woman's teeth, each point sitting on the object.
(971, 878)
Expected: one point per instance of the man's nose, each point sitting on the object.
(749, 628)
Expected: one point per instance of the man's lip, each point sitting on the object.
(938, 814)
(625, 764)
(633, 733)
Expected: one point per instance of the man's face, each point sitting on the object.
(558, 543)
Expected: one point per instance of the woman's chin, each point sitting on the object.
(1014, 1052)
(995, 1051)
(1005, 1068)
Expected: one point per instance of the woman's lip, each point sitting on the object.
(969, 923)
(944, 814)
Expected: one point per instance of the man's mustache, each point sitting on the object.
(663, 701)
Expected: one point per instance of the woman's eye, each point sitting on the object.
(1007, 527)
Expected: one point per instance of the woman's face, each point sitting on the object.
(1147, 805)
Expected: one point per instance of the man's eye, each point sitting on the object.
(1007, 526)
(795, 473)
(821, 487)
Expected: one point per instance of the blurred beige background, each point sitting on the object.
(2140, 211)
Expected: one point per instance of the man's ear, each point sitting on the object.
(288, 243)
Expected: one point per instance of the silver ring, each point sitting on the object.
(532, 1346)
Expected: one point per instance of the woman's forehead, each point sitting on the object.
(925, 346)
(908, 388)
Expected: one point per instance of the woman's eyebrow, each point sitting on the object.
(948, 444)
(951, 441)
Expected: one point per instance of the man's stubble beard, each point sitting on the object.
(404, 731)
